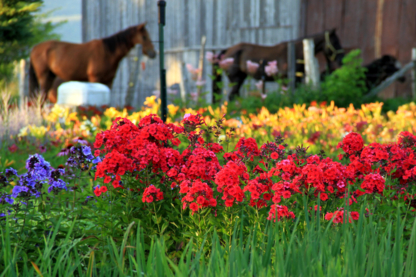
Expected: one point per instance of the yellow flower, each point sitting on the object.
(38, 131)
(173, 109)
(23, 132)
(150, 101)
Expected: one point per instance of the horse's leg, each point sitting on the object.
(300, 68)
(53, 91)
(45, 83)
(237, 78)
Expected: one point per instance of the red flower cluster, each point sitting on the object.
(198, 195)
(352, 143)
(339, 216)
(131, 148)
(151, 194)
(247, 148)
(98, 190)
(373, 183)
(191, 122)
(279, 212)
(147, 152)
(229, 181)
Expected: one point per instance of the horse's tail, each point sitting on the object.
(33, 82)
(217, 79)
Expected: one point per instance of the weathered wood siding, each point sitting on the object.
(223, 22)
(377, 27)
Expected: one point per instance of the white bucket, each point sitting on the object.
(83, 94)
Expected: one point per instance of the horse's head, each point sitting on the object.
(143, 37)
(333, 49)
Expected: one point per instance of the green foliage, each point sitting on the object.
(346, 85)
(308, 247)
(20, 29)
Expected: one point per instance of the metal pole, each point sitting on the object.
(164, 108)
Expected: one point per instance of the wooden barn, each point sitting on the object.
(376, 26)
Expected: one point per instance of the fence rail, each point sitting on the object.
(410, 66)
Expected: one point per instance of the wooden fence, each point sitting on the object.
(224, 23)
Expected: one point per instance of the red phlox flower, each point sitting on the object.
(352, 143)
(151, 193)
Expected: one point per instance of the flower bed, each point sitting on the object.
(145, 161)
(181, 180)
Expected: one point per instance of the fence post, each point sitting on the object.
(291, 61)
(134, 72)
(22, 82)
(414, 73)
(201, 64)
(311, 64)
(183, 82)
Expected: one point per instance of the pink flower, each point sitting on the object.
(172, 91)
(194, 71)
(252, 67)
(81, 141)
(211, 57)
(194, 96)
(271, 68)
(13, 148)
(200, 83)
(186, 115)
(259, 85)
(42, 149)
(263, 96)
(225, 64)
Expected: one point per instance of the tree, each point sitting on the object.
(20, 30)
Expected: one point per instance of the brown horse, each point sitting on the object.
(54, 62)
(326, 42)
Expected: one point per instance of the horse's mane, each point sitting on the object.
(122, 38)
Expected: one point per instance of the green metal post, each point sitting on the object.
(164, 108)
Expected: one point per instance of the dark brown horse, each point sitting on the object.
(326, 42)
(54, 62)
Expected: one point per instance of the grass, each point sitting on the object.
(306, 248)
(14, 119)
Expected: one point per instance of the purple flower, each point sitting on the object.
(86, 150)
(11, 172)
(36, 161)
(59, 184)
(9, 199)
(63, 152)
(80, 141)
(18, 189)
(96, 160)
(42, 149)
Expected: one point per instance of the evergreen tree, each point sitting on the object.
(20, 29)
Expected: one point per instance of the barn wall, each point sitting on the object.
(377, 27)
(223, 22)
